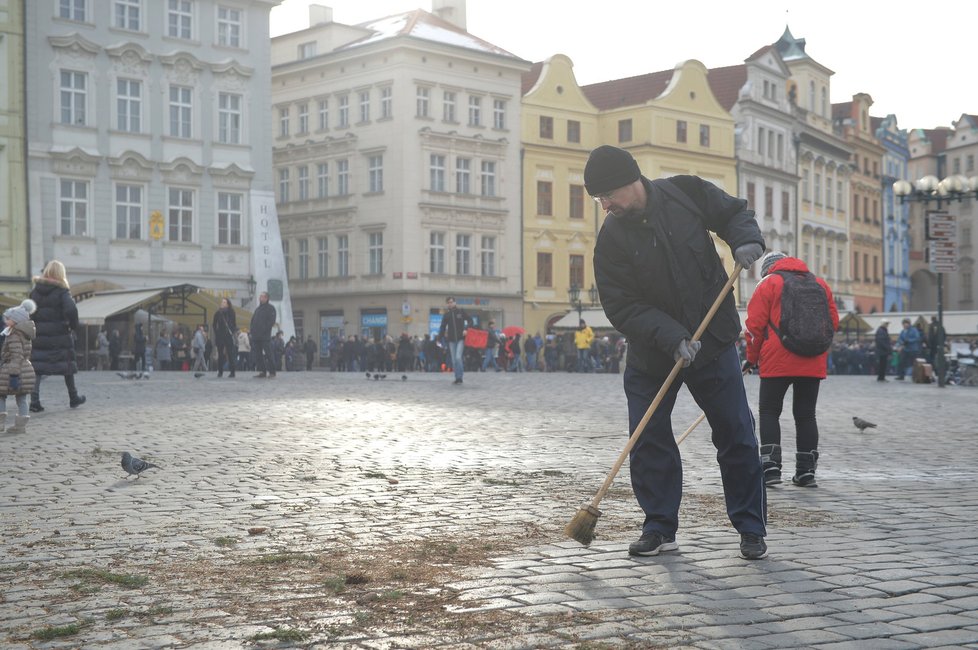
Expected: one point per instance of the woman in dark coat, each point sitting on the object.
(223, 328)
(56, 319)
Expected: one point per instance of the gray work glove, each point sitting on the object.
(686, 350)
(747, 254)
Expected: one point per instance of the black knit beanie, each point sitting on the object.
(609, 168)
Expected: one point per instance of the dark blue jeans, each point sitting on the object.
(656, 465)
(264, 359)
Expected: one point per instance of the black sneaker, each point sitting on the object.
(652, 544)
(457, 381)
(752, 547)
(36, 407)
(804, 479)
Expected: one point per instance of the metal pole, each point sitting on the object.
(939, 360)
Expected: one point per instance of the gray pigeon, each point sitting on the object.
(862, 424)
(127, 375)
(134, 465)
(198, 375)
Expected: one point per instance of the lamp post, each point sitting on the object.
(955, 188)
(574, 293)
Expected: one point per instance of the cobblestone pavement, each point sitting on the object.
(415, 514)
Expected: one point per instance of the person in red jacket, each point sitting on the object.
(780, 368)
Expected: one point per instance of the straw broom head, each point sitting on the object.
(581, 527)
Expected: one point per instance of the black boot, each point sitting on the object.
(36, 403)
(771, 463)
(805, 463)
(74, 399)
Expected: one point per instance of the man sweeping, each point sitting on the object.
(658, 274)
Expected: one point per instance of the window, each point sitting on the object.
(576, 268)
(322, 180)
(866, 277)
(179, 19)
(375, 251)
(969, 164)
(838, 194)
(422, 103)
(307, 50)
(343, 255)
(323, 114)
(386, 103)
(129, 107)
(463, 175)
(761, 133)
(72, 10)
(828, 192)
(855, 267)
(229, 218)
(128, 211)
(876, 269)
(624, 130)
(866, 216)
(785, 206)
(751, 196)
(283, 121)
(375, 168)
(322, 257)
(343, 177)
(818, 188)
(303, 259)
(74, 207)
(573, 131)
(73, 97)
(545, 198)
(806, 179)
(680, 130)
(436, 252)
(488, 256)
(498, 114)
(181, 215)
(229, 118)
(577, 202)
(283, 185)
(228, 27)
(127, 15)
(768, 201)
(303, 182)
(545, 269)
(546, 127)
(437, 172)
(364, 98)
(704, 135)
(181, 111)
(344, 117)
(303, 118)
(488, 178)
(780, 151)
(463, 254)
(448, 106)
(475, 111)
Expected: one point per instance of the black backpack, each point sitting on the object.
(806, 321)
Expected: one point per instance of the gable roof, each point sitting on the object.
(530, 77)
(726, 84)
(631, 91)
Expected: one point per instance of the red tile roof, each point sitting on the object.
(631, 91)
(726, 84)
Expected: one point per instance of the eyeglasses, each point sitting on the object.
(598, 198)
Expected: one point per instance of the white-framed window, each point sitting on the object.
(127, 15)
(322, 180)
(180, 209)
(72, 10)
(423, 101)
(303, 259)
(283, 121)
(129, 105)
(364, 98)
(386, 103)
(475, 111)
(74, 97)
(448, 106)
(343, 177)
(308, 50)
(229, 118)
(499, 114)
(283, 185)
(303, 182)
(436, 252)
(229, 218)
(437, 168)
(228, 26)
(375, 250)
(375, 168)
(488, 178)
(463, 254)
(180, 19)
(128, 211)
(463, 174)
(323, 114)
(343, 255)
(304, 118)
(322, 257)
(181, 111)
(73, 207)
(343, 119)
(488, 255)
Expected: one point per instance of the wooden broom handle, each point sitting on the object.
(666, 385)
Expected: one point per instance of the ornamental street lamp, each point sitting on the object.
(955, 188)
(574, 293)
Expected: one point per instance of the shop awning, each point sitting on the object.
(94, 310)
(595, 318)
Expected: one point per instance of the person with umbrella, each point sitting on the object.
(452, 331)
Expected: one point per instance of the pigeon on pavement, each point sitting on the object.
(134, 465)
(127, 374)
(862, 424)
(198, 375)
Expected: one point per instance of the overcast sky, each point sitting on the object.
(919, 67)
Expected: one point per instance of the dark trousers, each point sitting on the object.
(804, 396)
(656, 466)
(225, 352)
(264, 361)
(882, 361)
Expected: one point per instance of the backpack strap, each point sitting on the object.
(670, 188)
